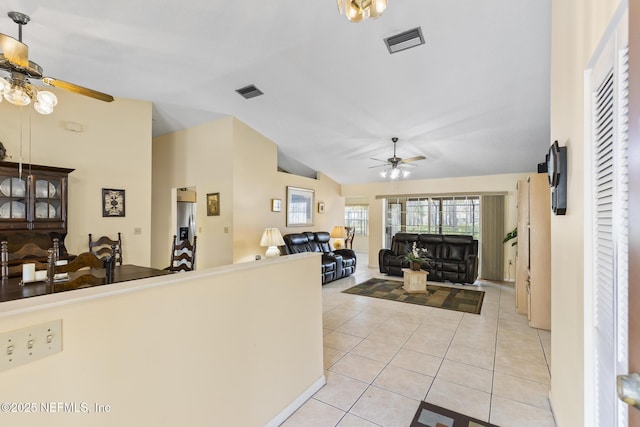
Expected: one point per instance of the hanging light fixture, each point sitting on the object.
(395, 172)
(357, 10)
(18, 91)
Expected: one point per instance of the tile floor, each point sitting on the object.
(382, 357)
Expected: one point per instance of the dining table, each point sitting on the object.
(12, 288)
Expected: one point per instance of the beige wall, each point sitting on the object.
(471, 185)
(229, 157)
(202, 352)
(577, 27)
(200, 158)
(112, 151)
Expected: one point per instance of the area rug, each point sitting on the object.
(429, 415)
(465, 300)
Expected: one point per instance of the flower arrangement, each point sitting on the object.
(416, 256)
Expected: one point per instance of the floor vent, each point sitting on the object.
(249, 91)
(405, 40)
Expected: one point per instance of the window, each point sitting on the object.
(436, 215)
(357, 216)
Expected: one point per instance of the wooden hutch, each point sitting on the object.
(33, 205)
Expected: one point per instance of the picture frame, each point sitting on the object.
(321, 207)
(113, 203)
(299, 207)
(276, 205)
(213, 204)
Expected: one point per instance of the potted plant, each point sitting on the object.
(511, 235)
(415, 257)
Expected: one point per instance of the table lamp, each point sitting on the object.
(272, 239)
(339, 233)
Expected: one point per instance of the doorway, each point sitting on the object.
(186, 211)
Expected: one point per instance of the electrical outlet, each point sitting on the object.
(137, 230)
(28, 344)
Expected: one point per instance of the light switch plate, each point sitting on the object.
(28, 344)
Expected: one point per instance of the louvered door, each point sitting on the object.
(609, 234)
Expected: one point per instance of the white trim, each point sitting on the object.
(589, 324)
(296, 404)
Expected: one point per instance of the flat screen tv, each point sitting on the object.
(557, 172)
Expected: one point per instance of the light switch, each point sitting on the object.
(30, 343)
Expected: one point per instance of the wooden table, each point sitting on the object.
(415, 281)
(10, 289)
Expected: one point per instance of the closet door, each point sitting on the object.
(606, 224)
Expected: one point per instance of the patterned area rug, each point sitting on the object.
(465, 300)
(429, 415)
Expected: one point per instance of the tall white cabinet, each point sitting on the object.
(533, 262)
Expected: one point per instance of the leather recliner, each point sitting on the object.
(447, 256)
(336, 264)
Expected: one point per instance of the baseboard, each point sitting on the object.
(297, 403)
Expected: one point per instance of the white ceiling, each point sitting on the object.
(474, 99)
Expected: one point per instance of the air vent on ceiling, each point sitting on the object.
(249, 91)
(404, 40)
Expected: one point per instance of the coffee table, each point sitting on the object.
(415, 281)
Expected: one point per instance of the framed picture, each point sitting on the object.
(112, 202)
(320, 207)
(275, 205)
(299, 207)
(213, 204)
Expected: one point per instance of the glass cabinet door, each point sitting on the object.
(47, 194)
(13, 199)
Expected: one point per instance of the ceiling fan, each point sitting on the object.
(17, 88)
(396, 163)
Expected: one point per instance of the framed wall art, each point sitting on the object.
(299, 207)
(112, 203)
(276, 205)
(213, 204)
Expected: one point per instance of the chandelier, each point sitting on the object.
(357, 10)
(395, 172)
(18, 91)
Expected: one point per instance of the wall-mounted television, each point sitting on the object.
(556, 160)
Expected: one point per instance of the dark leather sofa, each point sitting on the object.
(336, 264)
(448, 257)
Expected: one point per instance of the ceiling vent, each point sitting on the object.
(249, 92)
(404, 40)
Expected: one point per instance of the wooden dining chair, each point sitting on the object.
(102, 247)
(348, 241)
(183, 255)
(85, 262)
(11, 262)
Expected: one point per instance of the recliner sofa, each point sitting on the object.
(336, 264)
(447, 257)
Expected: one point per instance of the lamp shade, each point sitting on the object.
(271, 237)
(339, 232)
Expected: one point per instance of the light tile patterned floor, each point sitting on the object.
(382, 357)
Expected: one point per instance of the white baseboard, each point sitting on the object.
(298, 402)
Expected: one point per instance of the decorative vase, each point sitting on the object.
(415, 265)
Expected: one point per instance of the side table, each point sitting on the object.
(415, 281)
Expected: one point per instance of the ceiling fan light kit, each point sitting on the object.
(17, 89)
(396, 169)
(357, 10)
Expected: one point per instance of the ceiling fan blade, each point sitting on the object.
(413, 159)
(379, 166)
(15, 51)
(77, 89)
(379, 160)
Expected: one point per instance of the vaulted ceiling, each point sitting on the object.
(474, 99)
